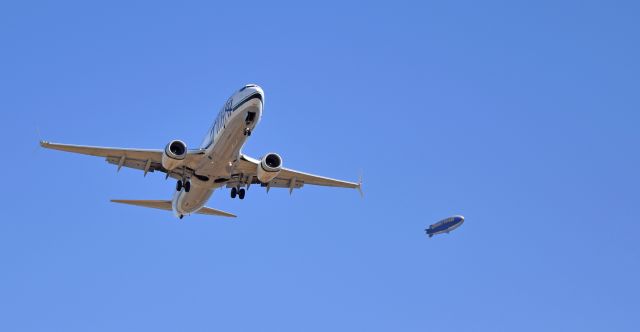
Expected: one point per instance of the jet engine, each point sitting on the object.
(269, 167)
(174, 154)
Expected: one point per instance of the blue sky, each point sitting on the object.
(521, 116)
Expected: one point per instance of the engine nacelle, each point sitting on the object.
(269, 167)
(174, 154)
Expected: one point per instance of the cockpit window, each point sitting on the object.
(247, 86)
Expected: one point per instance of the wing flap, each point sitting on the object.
(136, 164)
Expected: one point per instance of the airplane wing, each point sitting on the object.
(166, 205)
(289, 178)
(147, 160)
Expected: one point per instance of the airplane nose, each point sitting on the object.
(258, 89)
(254, 88)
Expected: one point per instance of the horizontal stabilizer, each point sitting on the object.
(166, 205)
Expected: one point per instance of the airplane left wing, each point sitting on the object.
(148, 160)
(292, 179)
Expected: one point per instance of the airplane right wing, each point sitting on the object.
(147, 160)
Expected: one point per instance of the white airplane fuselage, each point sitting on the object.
(222, 144)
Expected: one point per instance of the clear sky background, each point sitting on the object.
(521, 116)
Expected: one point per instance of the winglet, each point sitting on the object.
(359, 187)
(39, 135)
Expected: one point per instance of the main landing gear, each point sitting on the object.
(237, 191)
(187, 185)
(247, 132)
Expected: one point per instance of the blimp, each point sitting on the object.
(445, 225)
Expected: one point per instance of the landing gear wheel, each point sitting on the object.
(234, 191)
(181, 216)
(241, 193)
(187, 186)
(247, 132)
(179, 185)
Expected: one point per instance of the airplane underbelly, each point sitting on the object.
(227, 146)
(185, 203)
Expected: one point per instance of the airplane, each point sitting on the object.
(218, 162)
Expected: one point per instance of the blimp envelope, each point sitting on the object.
(445, 225)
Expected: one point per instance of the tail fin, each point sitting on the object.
(166, 205)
